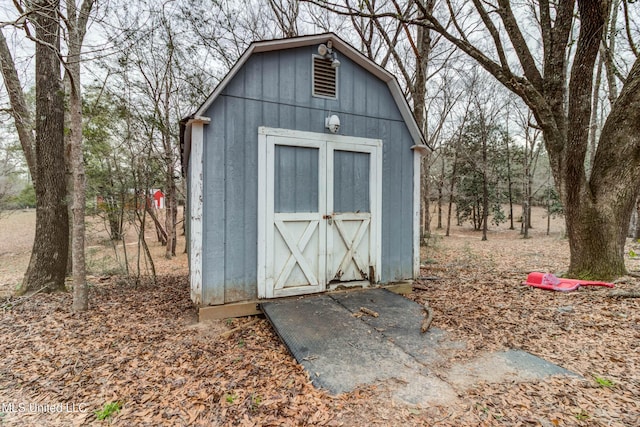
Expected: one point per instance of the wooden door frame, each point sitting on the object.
(266, 191)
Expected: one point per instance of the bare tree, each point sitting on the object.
(455, 147)
(530, 159)
(286, 14)
(164, 82)
(557, 86)
(394, 44)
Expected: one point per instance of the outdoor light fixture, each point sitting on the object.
(332, 123)
(326, 51)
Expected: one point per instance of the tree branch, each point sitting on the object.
(627, 25)
(19, 110)
(520, 45)
(592, 23)
(493, 31)
(545, 27)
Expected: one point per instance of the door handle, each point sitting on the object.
(329, 218)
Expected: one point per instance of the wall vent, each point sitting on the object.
(325, 78)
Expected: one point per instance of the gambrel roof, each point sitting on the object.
(343, 48)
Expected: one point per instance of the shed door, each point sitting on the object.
(296, 229)
(349, 210)
(320, 222)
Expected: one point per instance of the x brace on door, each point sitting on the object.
(296, 256)
(352, 246)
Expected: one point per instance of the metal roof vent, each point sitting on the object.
(325, 78)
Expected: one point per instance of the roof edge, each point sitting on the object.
(345, 49)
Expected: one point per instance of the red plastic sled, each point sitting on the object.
(550, 282)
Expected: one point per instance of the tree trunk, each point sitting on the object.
(509, 185)
(597, 225)
(115, 215)
(452, 184)
(485, 184)
(422, 51)
(171, 207)
(597, 236)
(530, 200)
(548, 211)
(477, 221)
(485, 207)
(80, 290)
(636, 232)
(76, 28)
(162, 235)
(440, 193)
(170, 199)
(48, 263)
(526, 199)
(424, 196)
(598, 211)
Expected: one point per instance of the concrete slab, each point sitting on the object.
(399, 321)
(342, 349)
(510, 365)
(341, 352)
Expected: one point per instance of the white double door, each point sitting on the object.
(321, 204)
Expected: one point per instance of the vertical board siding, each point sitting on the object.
(236, 165)
(270, 77)
(351, 182)
(287, 77)
(359, 105)
(302, 83)
(249, 233)
(347, 88)
(273, 89)
(214, 215)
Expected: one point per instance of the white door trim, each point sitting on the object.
(270, 286)
(374, 148)
(266, 188)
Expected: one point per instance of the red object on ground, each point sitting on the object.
(550, 282)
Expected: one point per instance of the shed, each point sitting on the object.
(303, 174)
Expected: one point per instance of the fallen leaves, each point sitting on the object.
(140, 346)
(583, 331)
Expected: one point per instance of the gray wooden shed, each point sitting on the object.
(303, 172)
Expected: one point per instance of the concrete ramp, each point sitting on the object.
(343, 348)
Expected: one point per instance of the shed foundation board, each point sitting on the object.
(343, 348)
(402, 288)
(251, 308)
(225, 311)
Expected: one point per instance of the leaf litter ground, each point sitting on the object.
(141, 346)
